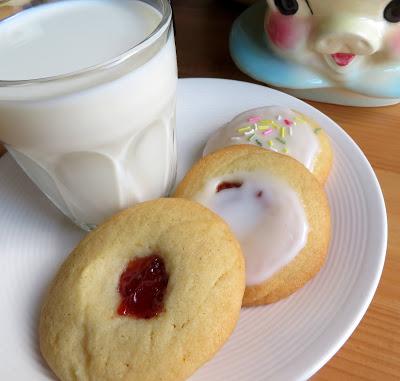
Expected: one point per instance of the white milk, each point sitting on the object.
(101, 140)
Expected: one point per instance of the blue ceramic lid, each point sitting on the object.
(251, 53)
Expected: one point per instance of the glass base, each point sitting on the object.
(84, 226)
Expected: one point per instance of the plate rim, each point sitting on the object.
(351, 324)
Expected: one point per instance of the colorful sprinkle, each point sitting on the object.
(280, 140)
(276, 125)
(317, 130)
(283, 132)
(268, 132)
(269, 123)
(290, 131)
(285, 150)
(251, 137)
(299, 119)
(262, 128)
(270, 143)
(259, 143)
(254, 119)
(244, 129)
(288, 122)
(265, 121)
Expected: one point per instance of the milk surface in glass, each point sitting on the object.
(87, 102)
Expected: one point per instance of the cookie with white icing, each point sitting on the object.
(279, 129)
(277, 209)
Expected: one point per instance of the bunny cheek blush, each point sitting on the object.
(286, 32)
(394, 44)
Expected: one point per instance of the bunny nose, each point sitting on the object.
(346, 34)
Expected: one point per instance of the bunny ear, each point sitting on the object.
(89, 184)
(147, 158)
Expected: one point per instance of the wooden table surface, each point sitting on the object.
(373, 351)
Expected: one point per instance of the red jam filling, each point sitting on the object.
(236, 184)
(142, 287)
(228, 185)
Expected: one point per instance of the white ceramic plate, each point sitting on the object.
(289, 340)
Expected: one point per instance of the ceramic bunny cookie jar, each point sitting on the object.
(343, 51)
(354, 44)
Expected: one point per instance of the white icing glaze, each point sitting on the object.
(298, 140)
(272, 228)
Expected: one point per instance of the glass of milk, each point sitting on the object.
(87, 101)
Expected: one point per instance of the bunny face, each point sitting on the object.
(339, 38)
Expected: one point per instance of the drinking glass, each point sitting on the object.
(98, 139)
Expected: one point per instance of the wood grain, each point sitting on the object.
(7, 11)
(373, 351)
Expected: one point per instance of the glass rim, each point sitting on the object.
(148, 40)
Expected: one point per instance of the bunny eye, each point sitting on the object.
(392, 11)
(287, 7)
